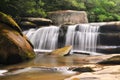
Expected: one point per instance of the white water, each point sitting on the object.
(82, 39)
(44, 38)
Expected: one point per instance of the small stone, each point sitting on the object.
(61, 51)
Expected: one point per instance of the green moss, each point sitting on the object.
(11, 50)
(9, 21)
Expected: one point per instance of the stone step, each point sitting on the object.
(109, 28)
(109, 39)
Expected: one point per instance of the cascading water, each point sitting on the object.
(83, 37)
(44, 38)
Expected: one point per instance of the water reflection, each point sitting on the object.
(59, 61)
(44, 68)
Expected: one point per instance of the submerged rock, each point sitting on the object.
(14, 46)
(61, 51)
(82, 69)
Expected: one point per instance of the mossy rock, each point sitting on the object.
(14, 46)
(61, 51)
(5, 19)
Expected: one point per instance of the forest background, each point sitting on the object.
(97, 10)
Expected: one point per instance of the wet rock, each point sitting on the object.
(109, 50)
(62, 35)
(27, 25)
(61, 51)
(111, 27)
(82, 69)
(38, 21)
(14, 46)
(68, 17)
(111, 39)
(112, 60)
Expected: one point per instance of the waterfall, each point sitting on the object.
(44, 38)
(83, 37)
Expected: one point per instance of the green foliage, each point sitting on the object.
(102, 17)
(98, 10)
(102, 10)
(52, 5)
(22, 7)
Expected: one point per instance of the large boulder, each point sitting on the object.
(68, 17)
(14, 46)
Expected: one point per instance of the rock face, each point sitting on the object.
(62, 35)
(68, 17)
(109, 37)
(14, 46)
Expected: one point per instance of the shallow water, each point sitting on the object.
(35, 76)
(44, 68)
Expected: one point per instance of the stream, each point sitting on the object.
(45, 68)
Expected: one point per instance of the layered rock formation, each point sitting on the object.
(109, 38)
